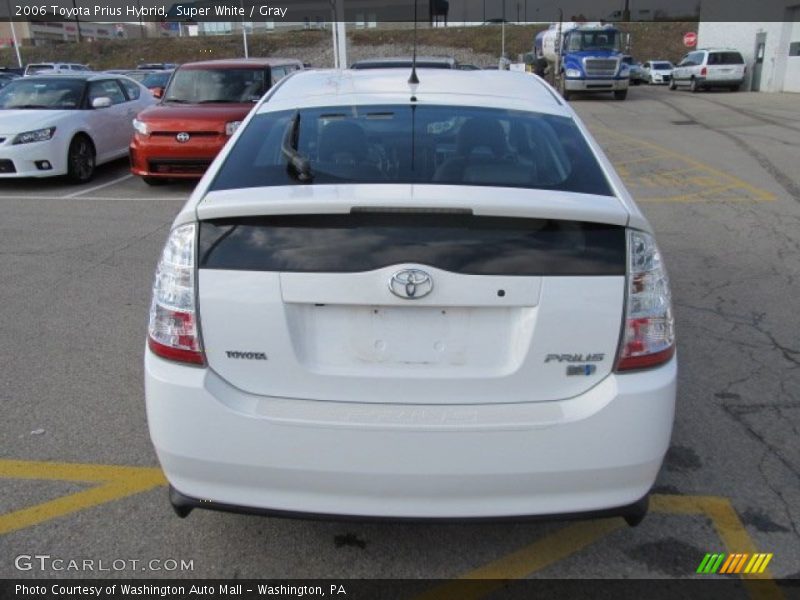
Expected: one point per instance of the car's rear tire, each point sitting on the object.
(672, 85)
(620, 94)
(154, 180)
(736, 88)
(80, 159)
(693, 87)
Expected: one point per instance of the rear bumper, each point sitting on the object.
(162, 156)
(596, 85)
(222, 448)
(711, 83)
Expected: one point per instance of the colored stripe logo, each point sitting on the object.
(734, 563)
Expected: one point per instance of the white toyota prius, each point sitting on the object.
(427, 301)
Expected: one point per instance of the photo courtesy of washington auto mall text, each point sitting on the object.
(399, 299)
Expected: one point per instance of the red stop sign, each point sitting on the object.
(690, 39)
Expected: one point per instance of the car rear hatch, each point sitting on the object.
(511, 299)
(725, 66)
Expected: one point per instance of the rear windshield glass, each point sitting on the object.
(459, 243)
(199, 86)
(725, 58)
(662, 65)
(413, 144)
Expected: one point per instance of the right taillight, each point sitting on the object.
(173, 332)
(648, 336)
(703, 72)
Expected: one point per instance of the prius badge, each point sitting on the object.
(411, 284)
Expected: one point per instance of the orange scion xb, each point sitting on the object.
(200, 109)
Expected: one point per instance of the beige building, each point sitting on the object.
(39, 33)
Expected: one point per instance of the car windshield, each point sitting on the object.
(156, 79)
(662, 65)
(42, 93)
(593, 40)
(198, 86)
(413, 144)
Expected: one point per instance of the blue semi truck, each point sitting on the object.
(584, 57)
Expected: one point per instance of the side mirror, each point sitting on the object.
(101, 102)
(157, 92)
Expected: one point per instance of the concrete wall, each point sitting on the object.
(791, 77)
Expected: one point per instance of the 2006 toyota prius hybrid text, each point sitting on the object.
(411, 301)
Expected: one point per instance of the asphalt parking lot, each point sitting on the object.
(717, 175)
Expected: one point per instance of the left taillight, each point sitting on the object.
(648, 337)
(173, 332)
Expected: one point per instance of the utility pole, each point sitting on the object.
(341, 35)
(142, 33)
(244, 33)
(626, 12)
(14, 34)
(77, 21)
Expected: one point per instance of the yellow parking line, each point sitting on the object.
(527, 560)
(116, 482)
(642, 159)
(573, 538)
(689, 196)
(730, 529)
(758, 192)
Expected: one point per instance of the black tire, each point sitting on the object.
(80, 159)
(620, 94)
(736, 88)
(672, 85)
(636, 82)
(154, 180)
(562, 88)
(693, 87)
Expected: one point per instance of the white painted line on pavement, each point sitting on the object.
(100, 187)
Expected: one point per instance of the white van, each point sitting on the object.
(710, 68)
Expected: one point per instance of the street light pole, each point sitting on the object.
(14, 34)
(77, 21)
(244, 33)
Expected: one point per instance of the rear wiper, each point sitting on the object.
(219, 101)
(30, 106)
(299, 166)
(177, 100)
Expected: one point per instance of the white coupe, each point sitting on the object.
(67, 124)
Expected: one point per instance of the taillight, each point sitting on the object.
(703, 72)
(648, 337)
(173, 332)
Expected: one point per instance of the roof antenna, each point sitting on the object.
(414, 80)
